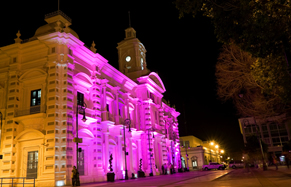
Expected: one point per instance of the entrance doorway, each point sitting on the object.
(32, 163)
(194, 162)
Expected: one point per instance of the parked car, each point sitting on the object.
(213, 165)
(236, 164)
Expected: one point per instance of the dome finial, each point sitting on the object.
(92, 48)
(129, 19)
(18, 40)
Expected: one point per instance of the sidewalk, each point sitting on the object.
(282, 169)
(102, 183)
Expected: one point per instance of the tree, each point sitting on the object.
(256, 86)
(261, 27)
(253, 148)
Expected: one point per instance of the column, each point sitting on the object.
(127, 106)
(116, 109)
(139, 153)
(130, 157)
(120, 162)
(136, 117)
(103, 104)
(106, 152)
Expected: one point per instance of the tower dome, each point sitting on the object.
(55, 19)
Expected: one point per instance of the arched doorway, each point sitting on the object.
(194, 162)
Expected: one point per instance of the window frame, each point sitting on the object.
(37, 99)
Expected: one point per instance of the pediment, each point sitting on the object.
(85, 133)
(29, 134)
(157, 80)
(153, 79)
(82, 78)
(32, 74)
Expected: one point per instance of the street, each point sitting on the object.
(229, 177)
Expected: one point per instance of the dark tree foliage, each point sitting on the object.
(257, 87)
(253, 148)
(261, 27)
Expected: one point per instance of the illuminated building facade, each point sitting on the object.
(198, 152)
(40, 79)
(274, 131)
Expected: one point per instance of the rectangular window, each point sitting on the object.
(107, 107)
(152, 96)
(32, 164)
(35, 97)
(81, 162)
(80, 99)
(119, 112)
(264, 128)
(187, 144)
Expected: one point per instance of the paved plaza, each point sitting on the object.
(217, 178)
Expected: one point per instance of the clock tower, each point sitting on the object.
(132, 56)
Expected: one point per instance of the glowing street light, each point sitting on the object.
(216, 146)
(222, 151)
(211, 143)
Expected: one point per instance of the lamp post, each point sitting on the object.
(186, 147)
(126, 122)
(150, 149)
(81, 105)
(246, 123)
(174, 138)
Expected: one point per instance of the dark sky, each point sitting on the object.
(182, 51)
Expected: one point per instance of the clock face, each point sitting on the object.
(128, 58)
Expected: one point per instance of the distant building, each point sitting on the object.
(198, 152)
(274, 131)
(41, 81)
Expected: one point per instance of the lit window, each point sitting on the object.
(35, 97)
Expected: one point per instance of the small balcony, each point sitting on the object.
(30, 110)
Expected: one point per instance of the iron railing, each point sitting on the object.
(30, 110)
(58, 12)
(16, 180)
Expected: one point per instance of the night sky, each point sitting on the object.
(182, 51)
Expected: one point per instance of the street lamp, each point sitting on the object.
(186, 147)
(126, 122)
(246, 123)
(81, 105)
(150, 149)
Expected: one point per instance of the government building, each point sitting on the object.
(195, 153)
(63, 105)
